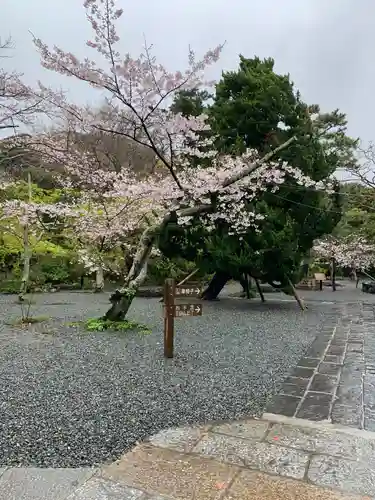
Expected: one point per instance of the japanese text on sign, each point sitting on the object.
(188, 291)
(179, 310)
(188, 310)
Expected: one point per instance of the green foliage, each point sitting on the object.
(50, 265)
(190, 102)
(249, 103)
(161, 268)
(247, 109)
(52, 255)
(359, 212)
(100, 325)
(20, 191)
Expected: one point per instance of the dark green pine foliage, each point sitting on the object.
(254, 107)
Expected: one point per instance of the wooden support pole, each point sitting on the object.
(259, 290)
(296, 296)
(188, 277)
(169, 294)
(333, 274)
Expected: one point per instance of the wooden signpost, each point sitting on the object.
(320, 277)
(177, 309)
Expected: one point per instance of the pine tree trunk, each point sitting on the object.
(99, 280)
(215, 286)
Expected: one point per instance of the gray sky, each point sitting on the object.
(326, 45)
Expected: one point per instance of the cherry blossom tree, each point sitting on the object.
(353, 251)
(139, 93)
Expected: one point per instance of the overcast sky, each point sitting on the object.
(327, 46)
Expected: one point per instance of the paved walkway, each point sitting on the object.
(335, 381)
(314, 442)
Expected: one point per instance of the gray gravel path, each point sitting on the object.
(69, 398)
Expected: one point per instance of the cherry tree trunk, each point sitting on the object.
(216, 285)
(27, 250)
(333, 275)
(25, 274)
(120, 307)
(122, 299)
(99, 280)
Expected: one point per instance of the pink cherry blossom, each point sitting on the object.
(353, 251)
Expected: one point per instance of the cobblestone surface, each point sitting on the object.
(335, 380)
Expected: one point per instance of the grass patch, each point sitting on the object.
(28, 320)
(101, 325)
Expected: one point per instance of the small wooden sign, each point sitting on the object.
(180, 310)
(320, 276)
(188, 291)
(177, 310)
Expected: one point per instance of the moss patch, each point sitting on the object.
(101, 325)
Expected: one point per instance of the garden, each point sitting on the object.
(168, 176)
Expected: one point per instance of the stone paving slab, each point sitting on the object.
(246, 429)
(347, 475)
(167, 472)
(261, 456)
(181, 439)
(102, 489)
(41, 484)
(275, 457)
(325, 441)
(256, 486)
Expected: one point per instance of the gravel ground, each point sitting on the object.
(71, 398)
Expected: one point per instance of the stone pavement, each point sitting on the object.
(275, 457)
(335, 380)
(315, 441)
